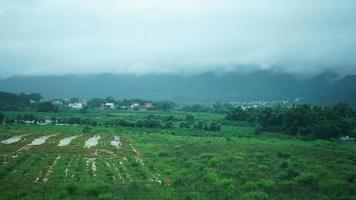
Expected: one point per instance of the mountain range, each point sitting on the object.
(325, 88)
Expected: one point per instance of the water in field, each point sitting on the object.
(66, 141)
(91, 142)
(40, 140)
(116, 142)
(13, 139)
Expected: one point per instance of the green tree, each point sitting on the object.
(86, 129)
(46, 107)
(168, 125)
(2, 118)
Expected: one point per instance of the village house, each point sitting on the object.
(45, 122)
(123, 108)
(135, 106)
(148, 106)
(29, 121)
(57, 102)
(76, 105)
(109, 106)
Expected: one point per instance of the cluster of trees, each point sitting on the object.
(26, 117)
(303, 120)
(169, 122)
(217, 107)
(10, 101)
(2, 117)
(22, 101)
(77, 120)
(46, 106)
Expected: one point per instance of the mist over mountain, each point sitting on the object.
(325, 88)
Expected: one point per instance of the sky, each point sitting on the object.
(40, 37)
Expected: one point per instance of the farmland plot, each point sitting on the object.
(53, 159)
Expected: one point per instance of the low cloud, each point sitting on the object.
(178, 36)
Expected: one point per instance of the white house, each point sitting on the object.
(123, 108)
(110, 105)
(76, 105)
(135, 106)
(45, 122)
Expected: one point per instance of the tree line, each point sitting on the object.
(151, 121)
(312, 121)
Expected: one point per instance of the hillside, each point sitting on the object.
(200, 88)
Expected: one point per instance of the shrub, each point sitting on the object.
(258, 195)
(283, 155)
(163, 154)
(306, 179)
(266, 183)
(71, 189)
(46, 107)
(184, 125)
(214, 126)
(86, 129)
(168, 125)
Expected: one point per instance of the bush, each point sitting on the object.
(184, 124)
(86, 129)
(330, 129)
(71, 189)
(214, 126)
(168, 125)
(46, 107)
(266, 183)
(2, 117)
(258, 195)
(306, 179)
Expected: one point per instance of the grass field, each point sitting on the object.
(172, 164)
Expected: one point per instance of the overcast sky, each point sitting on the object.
(176, 36)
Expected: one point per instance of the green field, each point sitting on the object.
(233, 163)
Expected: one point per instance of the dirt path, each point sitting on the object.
(92, 162)
(49, 171)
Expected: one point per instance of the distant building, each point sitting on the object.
(77, 105)
(148, 106)
(123, 107)
(29, 122)
(57, 102)
(345, 138)
(109, 105)
(45, 122)
(135, 106)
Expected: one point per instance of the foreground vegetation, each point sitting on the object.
(178, 163)
(170, 153)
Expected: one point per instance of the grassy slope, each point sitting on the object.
(239, 165)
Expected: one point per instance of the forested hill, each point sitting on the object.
(201, 88)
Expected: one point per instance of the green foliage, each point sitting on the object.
(184, 124)
(258, 195)
(46, 107)
(189, 118)
(304, 120)
(87, 129)
(195, 108)
(306, 180)
(214, 126)
(10, 101)
(2, 117)
(168, 125)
